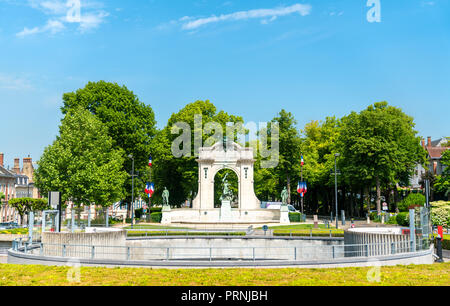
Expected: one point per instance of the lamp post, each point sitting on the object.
(132, 190)
(335, 186)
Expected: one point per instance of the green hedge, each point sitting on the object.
(163, 233)
(156, 217)
(403, 219)
(155, 209)
(446, 243)
(295, 217)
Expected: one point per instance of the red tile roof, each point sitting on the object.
(436, 152)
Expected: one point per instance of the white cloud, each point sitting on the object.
(90, 15)
(267, 15)
(13, 83)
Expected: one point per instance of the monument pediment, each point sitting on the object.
(230, 152)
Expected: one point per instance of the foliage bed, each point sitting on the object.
(16, 231)
(165, 233)
(440, 213)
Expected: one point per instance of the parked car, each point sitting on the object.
(292, 209)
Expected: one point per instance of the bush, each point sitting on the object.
(295, 217)
(392, 220)
(156, 209)
(374, 217)
(403, 219)
(412, 200)
(440, 213)
(156, 217)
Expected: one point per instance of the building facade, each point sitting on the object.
(8, 188)
(435, 150)
(16, 183)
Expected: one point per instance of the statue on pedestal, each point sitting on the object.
(227, 194)
(284, 196)
(165, 197)
(284, 200)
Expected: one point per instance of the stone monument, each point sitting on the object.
(226, 198)
(166, 215)
(284, 211)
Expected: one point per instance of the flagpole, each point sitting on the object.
(149, 195)
(301, 198)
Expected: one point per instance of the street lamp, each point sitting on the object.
(132, 190)
(336, 189)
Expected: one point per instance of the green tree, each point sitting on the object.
(180, 174)
(319, 146)
(378, 145)
(130, 123)
(442, 184)
(290, 151)
(82, 163)
(26, 205)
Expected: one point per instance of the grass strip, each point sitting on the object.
(424, 275)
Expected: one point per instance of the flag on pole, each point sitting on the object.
(150, 189)
(300, 187)
(302, 161)
(150, 161)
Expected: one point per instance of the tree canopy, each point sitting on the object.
(129, 122)
(82, 163)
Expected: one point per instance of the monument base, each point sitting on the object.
(215, 217)
(225, 212)
(166, 215)
(284, 215)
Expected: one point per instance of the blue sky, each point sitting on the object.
(250, 58)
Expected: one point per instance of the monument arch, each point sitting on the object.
(230, 156)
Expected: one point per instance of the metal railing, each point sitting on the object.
(209, 253)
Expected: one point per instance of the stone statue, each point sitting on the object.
(284, 196)
(165, 197)
(227, 194)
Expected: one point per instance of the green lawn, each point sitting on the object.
(297, 227)
(426, 275)
(152, 226)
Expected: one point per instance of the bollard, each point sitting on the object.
(439, 249)
(93, 252)
(310, 233)
(393, 248)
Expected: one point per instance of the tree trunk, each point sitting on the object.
(289, 188)
(378, 196)
(367, 199)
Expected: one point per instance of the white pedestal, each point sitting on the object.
(166, 216)
(225, 212)
(284, 215)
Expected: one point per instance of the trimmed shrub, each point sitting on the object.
(412, 200)
(156, 217)
(295, 217)
(156, 209)
(403, 219)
